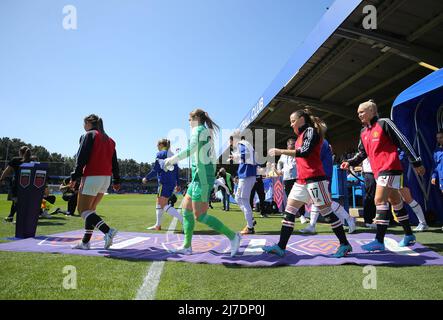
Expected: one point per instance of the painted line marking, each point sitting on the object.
(393, 246)
(148, 290)
(255, 247)
(128, 243)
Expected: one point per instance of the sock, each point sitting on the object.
(159, 215)
(314, 216)
(89, 230)
(382, 222)
(403, 218)
(216, 225)
(13, 210)
(94, 220)
(341, 235)
(381, 232)
(173, 212)
(336, 224)
(287, 226)
(188, 227)
(416, 207)
(341, 213)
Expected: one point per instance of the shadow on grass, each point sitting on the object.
(437, 247)
(399, 232)
(295, 233)
(206, 233)
(54, 218)
(48, 223)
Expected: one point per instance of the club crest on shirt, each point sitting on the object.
(25, 178)
(39, 179)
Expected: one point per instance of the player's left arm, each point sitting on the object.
(83, 154)
(154, 171)
(310, 139)
(8, 172)
(115, 169)
(192, 147)
(400, 141)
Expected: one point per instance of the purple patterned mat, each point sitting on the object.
(302, 250)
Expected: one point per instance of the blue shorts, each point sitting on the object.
(165, 190)
(441, 184)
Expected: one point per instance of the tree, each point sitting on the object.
(60, 165)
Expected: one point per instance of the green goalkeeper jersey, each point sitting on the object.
(201, 151)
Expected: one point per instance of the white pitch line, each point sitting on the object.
(129, 243)
(148, 290)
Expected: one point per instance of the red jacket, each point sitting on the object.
(308, 149)
(96, 157)
(379, 142)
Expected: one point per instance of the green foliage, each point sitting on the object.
(60, 165)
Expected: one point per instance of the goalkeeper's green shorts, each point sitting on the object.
(200, 192)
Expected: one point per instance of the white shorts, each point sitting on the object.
(244, 188)
(393, 182)
(316, 193)
(92, 186)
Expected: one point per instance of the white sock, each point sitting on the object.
(314, 216)
(416, 207)
(171, 211)
(341, 213)
(159, 214)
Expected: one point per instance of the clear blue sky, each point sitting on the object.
(141, 65)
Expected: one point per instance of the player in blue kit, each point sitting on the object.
(168, 182)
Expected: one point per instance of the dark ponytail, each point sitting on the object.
(25, 153)
(97, 124)
(312, 120)
(204, 118)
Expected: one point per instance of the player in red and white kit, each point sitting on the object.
(96, 164)
(379, 141)
(312, 183)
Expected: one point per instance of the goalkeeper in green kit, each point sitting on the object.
(203, 165)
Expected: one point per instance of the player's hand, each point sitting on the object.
(116, 187)
(178, 189)
(345, 166)
(420, 171)
(434, 181)
(145, 181)
(274, 152)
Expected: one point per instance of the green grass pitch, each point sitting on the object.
(40, 276)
